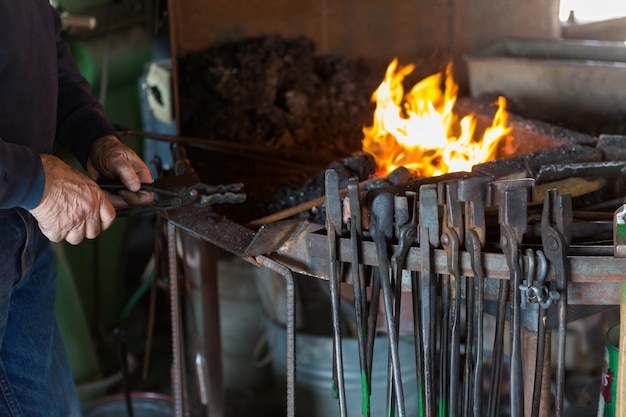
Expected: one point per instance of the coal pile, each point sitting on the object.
(277, 92)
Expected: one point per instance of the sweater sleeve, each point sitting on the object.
(80, 117)
(21, 176)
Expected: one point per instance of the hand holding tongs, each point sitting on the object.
(170, 196)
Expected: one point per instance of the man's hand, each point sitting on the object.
(72, 206)
(110, 158)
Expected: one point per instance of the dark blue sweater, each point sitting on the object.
(43, 98)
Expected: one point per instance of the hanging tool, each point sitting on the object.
(417, 321)
(372, 321)
(171, 194)
(333, 232)
(451, 236)
(428, 239)
(406, 234)
(358, 284)
(511, 197)
(535, 292)
(473, 192)
(381, 229)
(443, 357)
(556, 221)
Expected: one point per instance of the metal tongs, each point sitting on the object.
(170, 194)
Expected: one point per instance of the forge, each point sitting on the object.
(527, 240)
(541, 170)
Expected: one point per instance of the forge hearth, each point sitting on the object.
(309, 109)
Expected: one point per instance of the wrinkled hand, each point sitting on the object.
(110, 158)
(72, 206)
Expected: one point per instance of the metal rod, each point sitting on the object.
(333, 232)
(177, 365)
(429, 237)
(358, 285)
(493, 405)
(290, 290)
(382, 212)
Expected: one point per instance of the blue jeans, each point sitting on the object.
(35, 378)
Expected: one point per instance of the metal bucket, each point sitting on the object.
(314, 373)
(144, 405)
(606, 407)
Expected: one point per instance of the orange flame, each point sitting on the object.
(420, 131)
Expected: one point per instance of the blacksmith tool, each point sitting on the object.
(473, 192)
(171, 194)
(451, 236)
(535, 291)
(511, 197)
(443, 357)
(372, 320)
(406, 234)
(358, 284)
(417, 321)
(428, 239)
(556, 221)
(381, 229)
(333, 232)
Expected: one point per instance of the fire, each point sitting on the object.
(420, 131)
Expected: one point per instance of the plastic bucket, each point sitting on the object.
(606, 407)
